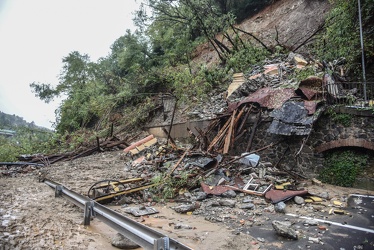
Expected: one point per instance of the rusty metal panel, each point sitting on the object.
(309, 93)
(311, 106)
(271, 98)
(276, 196)
(267, 97)
(216, 190)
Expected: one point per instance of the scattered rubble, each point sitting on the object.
(284, 229)
(122, 242)
(204, 178)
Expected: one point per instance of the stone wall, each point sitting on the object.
(304, 154)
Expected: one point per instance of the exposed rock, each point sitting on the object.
(324, 195)
(299, 61)
(182, 226)
(299, 200)
(229, 194)
(311, 222)
(247, 199)
(280, 207)
(200, 196)
(186, 207)
(122, 242)
(213, 203)
(247, 206)
(227, 203)
(284, 229)
(124, 200)
(269, 208)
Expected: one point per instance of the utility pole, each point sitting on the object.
(362, 51)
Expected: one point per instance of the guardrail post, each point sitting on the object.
(58, 190)
(162, 244)
(88, 212)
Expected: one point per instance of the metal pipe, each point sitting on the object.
(142, 235)
(362, 50)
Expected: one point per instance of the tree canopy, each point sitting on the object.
(158, 56)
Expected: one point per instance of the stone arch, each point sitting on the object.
(350, 142)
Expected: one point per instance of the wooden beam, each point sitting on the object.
(226, 146)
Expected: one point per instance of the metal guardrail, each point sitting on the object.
(142, 235)
(350, 92)
(361, 87)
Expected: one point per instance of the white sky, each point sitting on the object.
(35, 36)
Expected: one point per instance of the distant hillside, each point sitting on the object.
(13, 121)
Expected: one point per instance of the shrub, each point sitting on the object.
(342, 167)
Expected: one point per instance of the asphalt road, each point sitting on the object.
(352, 230)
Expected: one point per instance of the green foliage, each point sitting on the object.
(155, 58)
(9, 150)
(342, 167)
(168, 187)
(341, 37)
(26, 141)
(340, 118)
(186, 84)
(303, 73)
(139, 114)
(244, 59)
(174, 25)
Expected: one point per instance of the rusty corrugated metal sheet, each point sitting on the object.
(309, 93)
(267, 97)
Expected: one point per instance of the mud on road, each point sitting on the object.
(33, 218)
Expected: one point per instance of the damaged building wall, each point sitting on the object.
(299, 153)
(288, 153)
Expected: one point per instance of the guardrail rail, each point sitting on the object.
(142, 235)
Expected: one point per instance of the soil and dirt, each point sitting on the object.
(33, 218)
(286, 23)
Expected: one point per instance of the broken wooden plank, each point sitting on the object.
(241, 126)
(177, 164)
(172, 120)
(229, 134)
(249, 145)
(219, 136)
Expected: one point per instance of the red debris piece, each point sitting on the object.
(216, 190)
(311, 106)
(282, 195)
(309, 93)
(266, 97)
(138, 143)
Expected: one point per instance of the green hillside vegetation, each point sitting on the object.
(158, 57)
(27, 138)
